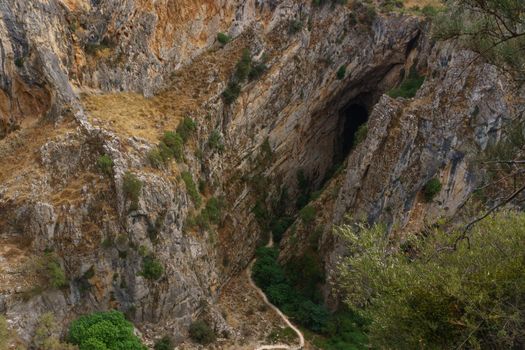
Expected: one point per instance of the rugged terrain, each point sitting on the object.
(81, 79)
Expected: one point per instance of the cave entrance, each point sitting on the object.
(351, 117)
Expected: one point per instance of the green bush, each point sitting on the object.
(256, 71)
(231, 93)
(186, 128)
(213, 210)
(245, 69)
(431, 297)
(19, 62)
(223, 38)
(295, 26)
(165, 152)
(361, 134)
(176, 143)
(307, 214)
(431, 189)
(215, 141)
(210, 214)
(49, 266)
(409, 87)
(191, 188)
(105, 164)
(104, 331)
(152, 268)
(155, 158)
(165, 343)
(243, 66)
(341, 73)
(201, 333)
(279, 227)
(132, 186)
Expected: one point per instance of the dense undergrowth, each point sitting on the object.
(293, 288)
(436, 293)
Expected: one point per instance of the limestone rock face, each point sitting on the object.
(457, 113)
(81, 79)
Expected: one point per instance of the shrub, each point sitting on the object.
(45, 337)
(223, 38)
(165, 343)
(307, 214)
(231, 93)
(104, 331)
(435, 298)
(132, 186)
(431, 189)
(213, 210)
(49, 267)
(186, 128)
(155, 158)
(191, 188)
(211, 214)
(215, 141)
(201, 333)
(360, 134)
(295, 26)
(165, 152)
(243, 66)
(279, 227)
(152, 268)
(409, 87)
(175, 142)
(105, 164)
(19, 62)
(341, 72)
(256, 71)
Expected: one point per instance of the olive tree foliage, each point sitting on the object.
(423, 295)
(495, 29)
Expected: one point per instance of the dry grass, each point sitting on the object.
(131, 114)
(13, 259)
(20, 168)
(422, 3)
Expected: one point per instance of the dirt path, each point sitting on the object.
(274, 308)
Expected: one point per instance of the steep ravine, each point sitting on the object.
(81, 80)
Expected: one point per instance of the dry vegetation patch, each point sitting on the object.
(131, 114)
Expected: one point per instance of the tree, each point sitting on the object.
(495, 29)
(424, 295)
(104, 331)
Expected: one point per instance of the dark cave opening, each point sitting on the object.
(351, 117)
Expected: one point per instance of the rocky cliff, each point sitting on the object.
(85, 79)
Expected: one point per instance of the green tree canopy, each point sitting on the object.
(493, 28)
(425, 295)
(104, 331)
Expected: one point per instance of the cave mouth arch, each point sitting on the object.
(351, 117)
